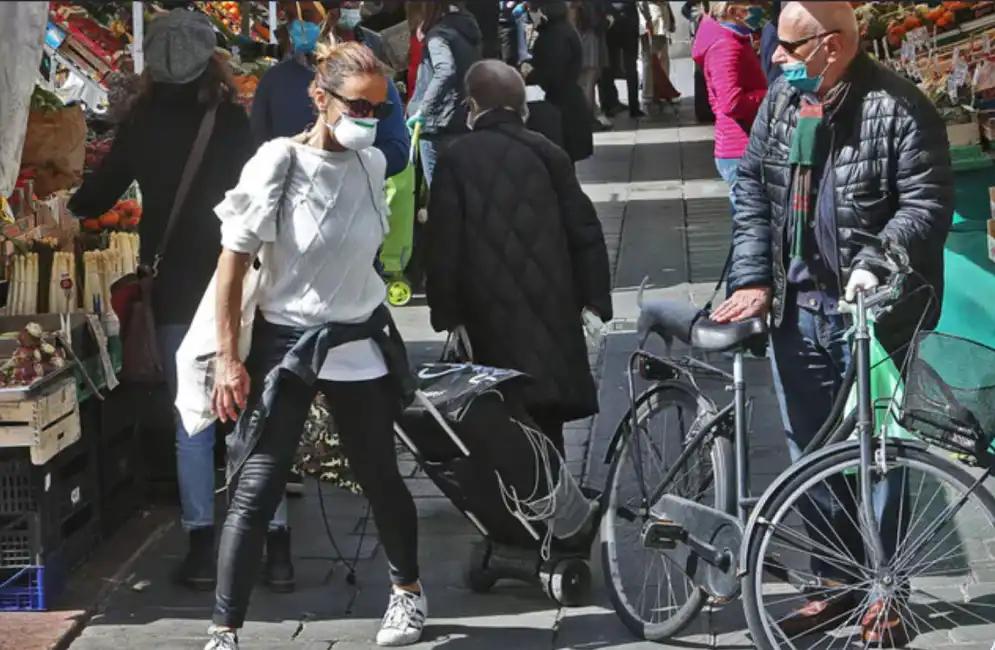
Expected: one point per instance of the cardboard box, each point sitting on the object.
(991, 239)
(964, 135)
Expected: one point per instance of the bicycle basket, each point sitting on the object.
(949, 397)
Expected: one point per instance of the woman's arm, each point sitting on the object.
(725, 67)
(443, 73)
(392, 136)
(105, 185)
(231, 381)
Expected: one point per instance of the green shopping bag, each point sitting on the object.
(886, 390)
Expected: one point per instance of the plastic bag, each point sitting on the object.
(886, 391)
(196, 355)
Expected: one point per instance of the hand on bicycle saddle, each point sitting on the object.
(743, 304)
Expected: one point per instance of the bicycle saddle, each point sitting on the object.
(675, 319)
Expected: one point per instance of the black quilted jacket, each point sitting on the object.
(891, 165)
(514, 251)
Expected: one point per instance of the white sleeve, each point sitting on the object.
(248, 211)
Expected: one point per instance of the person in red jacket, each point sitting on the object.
(736, 81)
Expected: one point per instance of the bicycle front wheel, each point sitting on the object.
(653, 592)
(937, 523)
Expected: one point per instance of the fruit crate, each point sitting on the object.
(33, 588)
(44, 420)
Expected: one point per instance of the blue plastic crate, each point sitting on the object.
(33, 588)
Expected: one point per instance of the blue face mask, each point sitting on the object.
(303, 36)
(350, 18)
(755, 19)
(797, 75)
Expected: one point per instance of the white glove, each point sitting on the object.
(860, 279)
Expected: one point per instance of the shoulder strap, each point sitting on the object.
(186, 180)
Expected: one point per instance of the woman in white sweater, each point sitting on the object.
(313, 209)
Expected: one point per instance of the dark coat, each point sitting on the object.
(515, 252)
(152, 146)
(557, 56)
(890, 162)
(451, 47)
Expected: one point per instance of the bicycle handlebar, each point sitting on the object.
(894, 259)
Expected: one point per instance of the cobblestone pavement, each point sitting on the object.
(666, 217)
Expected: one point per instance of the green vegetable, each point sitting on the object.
(45, 100)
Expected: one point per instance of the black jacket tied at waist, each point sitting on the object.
(278, 350)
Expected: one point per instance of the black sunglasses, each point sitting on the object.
(365, 108)
(791, 46)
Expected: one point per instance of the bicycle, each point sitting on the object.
(719, 533)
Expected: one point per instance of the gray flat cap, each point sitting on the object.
(178, 46)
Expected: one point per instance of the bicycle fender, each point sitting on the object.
(774, 489)
(640, 400)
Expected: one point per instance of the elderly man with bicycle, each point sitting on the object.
(841, 143)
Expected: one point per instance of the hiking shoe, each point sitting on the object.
(221, 639)
(405, 619)
(278, 568)
(198, 570)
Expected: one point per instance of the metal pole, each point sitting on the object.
(138, 35)
(245, 10)
(272, 22)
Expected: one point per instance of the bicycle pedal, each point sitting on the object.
(662, 535)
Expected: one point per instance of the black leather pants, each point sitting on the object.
(364, 414)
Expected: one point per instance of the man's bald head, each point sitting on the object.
(811, 18)
(824, 35)
(492, 84)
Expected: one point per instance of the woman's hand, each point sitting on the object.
(231, 388)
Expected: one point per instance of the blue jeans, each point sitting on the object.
(429, 148)
(727, 168)
(195, 454)
(809, 355)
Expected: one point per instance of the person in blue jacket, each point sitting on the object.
(282, 107)
(769, 42)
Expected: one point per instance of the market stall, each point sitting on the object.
(946, 48)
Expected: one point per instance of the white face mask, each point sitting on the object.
(354, 133)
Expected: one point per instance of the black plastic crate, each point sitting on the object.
(121, 504)
(26, 540)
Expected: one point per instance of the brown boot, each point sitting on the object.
(883, 627)
(818, 614)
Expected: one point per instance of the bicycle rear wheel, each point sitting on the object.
(707, 479)
(932, 583)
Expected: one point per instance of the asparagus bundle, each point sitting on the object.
(126, 243)
(100, 270)
(22, 297)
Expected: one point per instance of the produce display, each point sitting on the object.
(125, 215)
(40, 353)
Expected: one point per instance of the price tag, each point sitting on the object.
(918, 36)
(956, 58)
(986, 44)
(952, 89)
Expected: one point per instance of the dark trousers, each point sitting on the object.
(508, 38)
(809, 355)
(364, 413)
(623, 52)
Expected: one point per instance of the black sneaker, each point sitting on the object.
(614, 110)
(198, 570)
(279, 569)
(637, 113)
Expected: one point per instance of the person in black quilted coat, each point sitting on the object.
(557, 57)
(515, 251)
(840, 143)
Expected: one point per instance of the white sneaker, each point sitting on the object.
(221, 639)
(405, 619)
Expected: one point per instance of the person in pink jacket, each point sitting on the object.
(736, 81)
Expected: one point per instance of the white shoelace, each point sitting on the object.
(221, 640)
(402, 612)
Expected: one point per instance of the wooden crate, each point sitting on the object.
(47, 422)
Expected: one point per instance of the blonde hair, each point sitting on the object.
(336, 62)
(720, 10)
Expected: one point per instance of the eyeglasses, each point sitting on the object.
(365, 108)
(791, 46)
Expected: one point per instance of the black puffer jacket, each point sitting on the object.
(893, 178)
(515, 251)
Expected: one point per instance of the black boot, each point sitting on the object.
(279, 575)
(198, 570)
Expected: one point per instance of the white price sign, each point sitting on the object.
(986, 44)
(952, 89)
(918, 36)
(959, 74)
